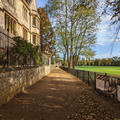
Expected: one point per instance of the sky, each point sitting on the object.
(41, 3)
(105, 40)
(105, 37)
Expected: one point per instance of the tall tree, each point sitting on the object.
(46, 32)
(75, 23)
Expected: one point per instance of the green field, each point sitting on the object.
(112, 70)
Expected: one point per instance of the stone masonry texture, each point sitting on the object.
(60, 96)
(14, 82)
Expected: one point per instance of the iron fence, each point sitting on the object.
(7, 59)
(5, 43)
(102, 82)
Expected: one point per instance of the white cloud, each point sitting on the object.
(106, 18)
(106, 38)
(105, 33)
(100, 44)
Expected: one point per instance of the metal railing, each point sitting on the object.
(102, 82)
(7, 59)
(5, 43)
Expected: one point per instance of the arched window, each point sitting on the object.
(34, 20)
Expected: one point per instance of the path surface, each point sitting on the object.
(59, 96)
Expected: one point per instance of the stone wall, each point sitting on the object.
(14, 82)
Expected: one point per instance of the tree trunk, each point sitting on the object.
(64, 59)
(68, 60)
(66, 26)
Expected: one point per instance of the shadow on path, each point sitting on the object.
(59, 96)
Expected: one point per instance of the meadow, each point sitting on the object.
(112, 70)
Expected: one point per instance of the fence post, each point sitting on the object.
(95, 77)
(105, 81)
(77, 74)
(118, 84)
(83, 75)
(88, 77)
(67, 70)
(8, 48)
(116, 91)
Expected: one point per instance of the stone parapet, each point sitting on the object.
(11, 83)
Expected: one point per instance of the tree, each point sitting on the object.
(112, 8)
(57, 58)
(75, 26)
(46, 32)
(109, 61)
(52, 60)
(116, 61)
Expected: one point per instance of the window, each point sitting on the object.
(14, 27)
(25, 13)
(5, 21)
(34, 39)
(38, 40)
(10, 24)
(25, 34)
(11, 2)
(34, 21)
(38, 23)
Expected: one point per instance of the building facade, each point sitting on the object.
(21, 18)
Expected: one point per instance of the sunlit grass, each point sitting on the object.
(113, 70)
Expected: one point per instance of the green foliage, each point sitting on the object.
(39, 60)
(24, 53)
(52, 60)
(46, 32)
(75, 24)
(57, 59)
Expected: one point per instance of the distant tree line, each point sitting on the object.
(115, 61)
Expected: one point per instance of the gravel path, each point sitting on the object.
(60, 96)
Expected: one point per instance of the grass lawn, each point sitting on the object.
(112, 70)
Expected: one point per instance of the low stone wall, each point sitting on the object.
(14, 82)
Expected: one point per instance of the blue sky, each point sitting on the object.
(41, 3)
(105, 37)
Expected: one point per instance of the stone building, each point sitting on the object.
(21, 18)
